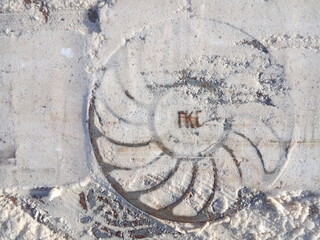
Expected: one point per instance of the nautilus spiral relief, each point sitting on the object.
(188, 112)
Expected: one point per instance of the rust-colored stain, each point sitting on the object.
(189, 119)
(14, 200)
(82, 201)
(42, 5)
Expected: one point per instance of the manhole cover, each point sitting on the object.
(187, 113)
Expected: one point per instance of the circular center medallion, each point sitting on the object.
(185, 124)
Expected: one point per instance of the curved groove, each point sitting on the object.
(142, 144)
(257, 151)
(163, 147)
(170, 207)
(156, 138)
(132, 98)
(107, 167)
(218, 143)
(235, 160)
(120, 92)
(109, 109)
(214, 187)
(95, 134)
(166, 179)
(127, 94)
(153, 161)
(263, 49)
(145, 176)
(272, 130)
(112, 167)
(136, 194)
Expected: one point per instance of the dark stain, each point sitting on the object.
(128, 95)
(93, 15)
(119, 234)
(264, 99)
(143, 38)
(101, 231)
(99, 234)
(105, 229)
(144, 233)
(82, 201)
(86, 219)
(98, 209)
(104, 199)
(40, 192)
(256, 44)
(91, 199)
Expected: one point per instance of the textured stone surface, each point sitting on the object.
(157, 119)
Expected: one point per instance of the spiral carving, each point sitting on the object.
(187, 113)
